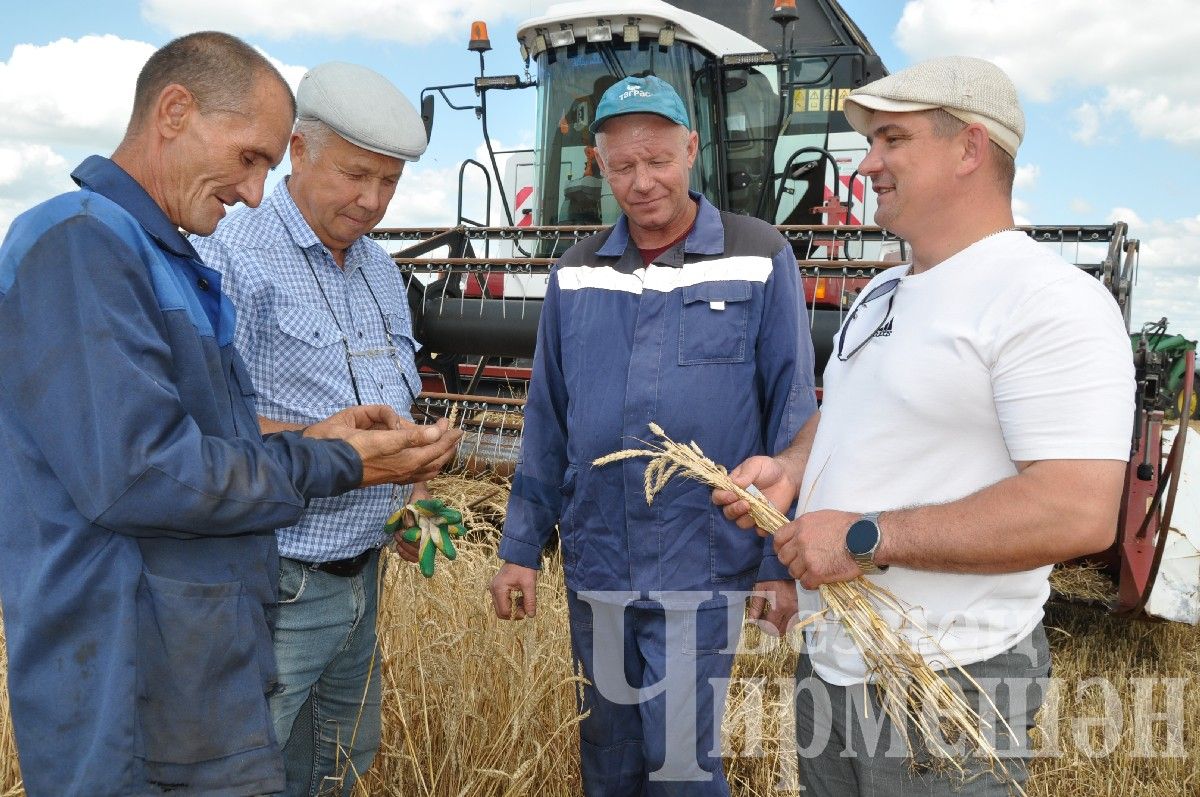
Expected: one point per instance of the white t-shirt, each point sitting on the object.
(1004, 352)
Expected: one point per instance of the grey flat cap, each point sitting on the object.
(363, 107)
(971, 89)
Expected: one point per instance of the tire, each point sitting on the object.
(1177, 404)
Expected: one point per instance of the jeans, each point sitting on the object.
(326, 708)
(846, 745)
(656, 694)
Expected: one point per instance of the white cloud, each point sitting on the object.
(1157, 115)
(73, 92)
(291, 73)
(29, 173)
(25, 166)
(1167, 294)
(1169, 270)
(1141, 56)
(1087, 121)
(1127, 215)
(1170, 244)
(425, 197)
(411, 23)
(1081, 207)
(77, 92)
(68, 95)
(1027, 176)
(428, 196)
(1021, 210)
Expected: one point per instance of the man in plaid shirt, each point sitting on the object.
(323, 323)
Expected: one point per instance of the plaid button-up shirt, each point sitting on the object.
(312, 334)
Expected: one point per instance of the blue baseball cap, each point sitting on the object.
(640, 95)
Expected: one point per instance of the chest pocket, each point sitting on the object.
(308, 366)
(713, 322)
(305, 328)
(397, 372)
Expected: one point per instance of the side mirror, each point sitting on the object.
(427, 115)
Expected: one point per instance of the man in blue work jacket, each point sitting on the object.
(689, 317)
(138, 499)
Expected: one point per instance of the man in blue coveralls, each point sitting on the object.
(138, 500)
(690, 317)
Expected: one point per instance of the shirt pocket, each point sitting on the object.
(309, 368)
(401, 372)
(713, 320)
(203, 661)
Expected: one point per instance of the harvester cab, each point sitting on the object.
(764, 82)
(764, 99)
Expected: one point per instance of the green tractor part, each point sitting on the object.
(1167, 354)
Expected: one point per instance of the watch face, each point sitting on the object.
(862, 537)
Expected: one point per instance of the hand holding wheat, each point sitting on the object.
(915, 698)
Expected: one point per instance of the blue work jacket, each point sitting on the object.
(708, 342)
(137, 507)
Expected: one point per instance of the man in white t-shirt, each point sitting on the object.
(976, 422)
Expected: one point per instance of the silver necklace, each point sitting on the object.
(997, 232)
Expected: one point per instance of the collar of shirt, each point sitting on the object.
(106, 178)
(707, 237)
(302, 234)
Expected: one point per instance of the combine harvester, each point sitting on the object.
(764, 83)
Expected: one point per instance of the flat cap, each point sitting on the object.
(363, 107)
(970, 89)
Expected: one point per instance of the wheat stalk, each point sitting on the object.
(911, 693)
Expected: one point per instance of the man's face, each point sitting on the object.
(344, 190)
(646, 159)
(222, 158)
(911, 171)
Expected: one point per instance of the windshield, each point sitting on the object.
(572, 79)
(817, 149)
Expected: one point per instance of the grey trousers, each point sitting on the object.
(847, 747)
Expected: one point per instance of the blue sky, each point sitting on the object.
(1110, 89)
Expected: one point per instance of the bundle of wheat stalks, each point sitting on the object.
(912, 694)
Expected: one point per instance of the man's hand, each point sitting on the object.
(769, 477)
(813, 548)
(410, 551)
(776, 607)
(405, 454)
(367, 416)
(515, 578)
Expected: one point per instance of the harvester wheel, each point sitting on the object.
(1194, 408)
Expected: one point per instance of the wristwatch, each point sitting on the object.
(862, 541)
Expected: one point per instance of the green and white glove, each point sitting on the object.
(431, 523)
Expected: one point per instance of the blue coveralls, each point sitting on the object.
(709, 342)
(138, 503)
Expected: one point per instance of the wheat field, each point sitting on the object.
(475, 706)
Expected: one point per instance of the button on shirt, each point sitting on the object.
(298, 316)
